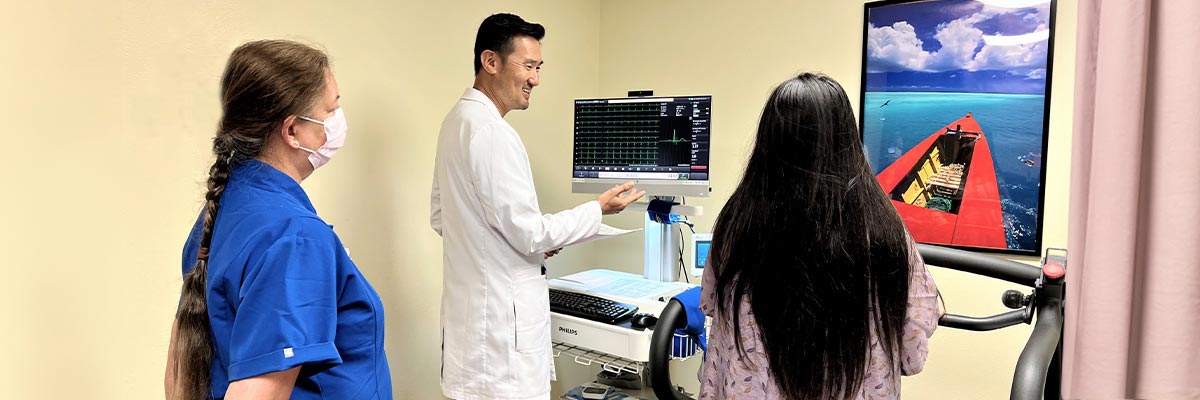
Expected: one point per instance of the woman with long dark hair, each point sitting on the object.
(272, 307)
(816, 289)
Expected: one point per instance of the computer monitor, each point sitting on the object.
(701, 245)
(660, 143)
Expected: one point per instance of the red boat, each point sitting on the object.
(945, 188)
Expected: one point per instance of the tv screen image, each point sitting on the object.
(953, 114)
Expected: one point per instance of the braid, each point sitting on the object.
(218, 176)
(193, 351)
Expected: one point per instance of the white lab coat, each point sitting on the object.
(495, 303)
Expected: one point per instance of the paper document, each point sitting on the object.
(606, 282)
(606, 232)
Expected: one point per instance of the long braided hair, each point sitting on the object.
(264, 83)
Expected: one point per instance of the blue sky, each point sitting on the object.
(995, 46)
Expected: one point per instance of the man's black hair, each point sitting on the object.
(497, 32)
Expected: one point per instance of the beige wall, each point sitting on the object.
(109, 110)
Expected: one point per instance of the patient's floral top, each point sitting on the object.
(727, 376)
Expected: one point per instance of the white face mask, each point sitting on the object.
(335, 137)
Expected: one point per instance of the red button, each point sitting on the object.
(1053, 270)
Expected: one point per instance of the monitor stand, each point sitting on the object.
(662, 242)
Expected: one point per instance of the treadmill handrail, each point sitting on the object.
(1033, 366)
(1029, 377)
(671, 318)
(982, 324)
(1011, 271)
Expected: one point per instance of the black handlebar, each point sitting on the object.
(1029, 378)
(979, 264)
(983, 324)
(671, 318)
(1034, 366)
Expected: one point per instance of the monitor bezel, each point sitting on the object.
(652, 187)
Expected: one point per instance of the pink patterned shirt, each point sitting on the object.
(725, 377)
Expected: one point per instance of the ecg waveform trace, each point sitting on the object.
(633, 134)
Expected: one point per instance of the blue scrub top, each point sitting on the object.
(283, 292)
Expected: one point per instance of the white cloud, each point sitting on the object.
(986, 13)
(1025, 56)
(897, 47)
(959, 40)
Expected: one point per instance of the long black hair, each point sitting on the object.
(812, 241)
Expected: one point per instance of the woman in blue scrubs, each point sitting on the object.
(272, 307)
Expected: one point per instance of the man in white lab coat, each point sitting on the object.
(495, 302)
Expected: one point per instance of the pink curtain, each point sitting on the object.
(1133, 310)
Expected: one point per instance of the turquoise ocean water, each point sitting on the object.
(1011, 122)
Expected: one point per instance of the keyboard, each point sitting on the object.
(590, 307)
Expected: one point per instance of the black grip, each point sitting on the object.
(672, 317)
(983, 324)
(1029, 378)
